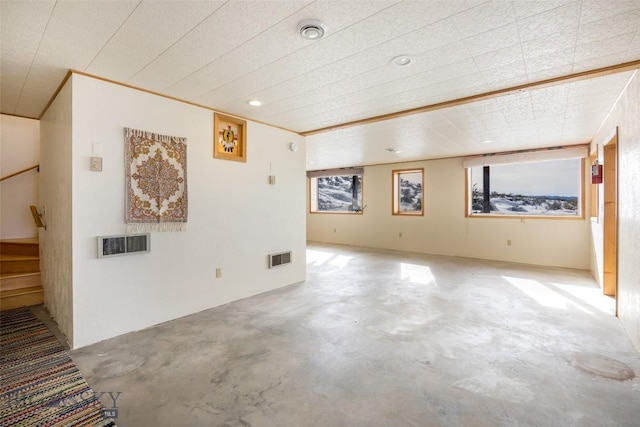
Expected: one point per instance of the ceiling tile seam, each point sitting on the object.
(457, 128)
(159, 94)
(635, 37)
(319, 88)
(176, 42)
(124, 21)
(549, 82)
(614, 105)
(570, 89)
(443, 137)
(233, 49)
(473, 58)
(285, 56)
(365, 115)
(368, 88)
(520, 44)
(355, 54)
(546, 11)
(300, 94)
(535, 118)
(575, 43)
(573, 64)
(34, 58)
(469, 56)
(326, 65)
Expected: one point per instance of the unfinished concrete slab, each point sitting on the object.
(383, 338)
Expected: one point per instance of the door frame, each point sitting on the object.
(610, 218)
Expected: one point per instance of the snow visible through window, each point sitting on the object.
(538, 188)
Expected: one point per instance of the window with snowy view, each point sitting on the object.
(542, 188)
(337, 193)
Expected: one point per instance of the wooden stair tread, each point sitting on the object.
(26, 246)
(21, 291)
(14, 275)
(11, 257)
(23, 240)
(22, 297)
(20, 279)
(9, 281)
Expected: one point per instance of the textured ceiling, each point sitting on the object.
(223, 53)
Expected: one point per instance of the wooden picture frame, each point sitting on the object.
(229, 138)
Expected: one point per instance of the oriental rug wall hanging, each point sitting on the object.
(156, 180)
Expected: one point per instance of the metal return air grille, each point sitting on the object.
(124, 244)
(279, 259)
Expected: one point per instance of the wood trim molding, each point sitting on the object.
(570, 78)
(173, 98)
(584, 75)
(55, 94)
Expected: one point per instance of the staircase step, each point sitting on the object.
(19, 264)
(10, 281)
(24, 297)
(26, 246)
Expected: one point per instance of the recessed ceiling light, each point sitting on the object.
(312, 29)
(401, 60)
(487, 141)
(254, 103)
(393, 150)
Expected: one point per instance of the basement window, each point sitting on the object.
(408, 187)
(533, 184)
(336, 191)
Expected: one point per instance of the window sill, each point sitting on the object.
(523, 217)
(336, 213)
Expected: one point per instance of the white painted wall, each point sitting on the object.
(19, 149)
(625, 115)
(444, 229)
(235, 217)
(55, 195)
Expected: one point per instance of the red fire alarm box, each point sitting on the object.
(596, 174)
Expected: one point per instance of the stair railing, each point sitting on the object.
(37, 217)
(20, 172)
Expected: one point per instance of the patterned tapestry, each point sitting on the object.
(156, 177)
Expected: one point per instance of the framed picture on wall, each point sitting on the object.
(229, 138)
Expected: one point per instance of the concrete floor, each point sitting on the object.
(382, 338)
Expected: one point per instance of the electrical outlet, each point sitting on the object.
(399, 234)
(509, 242)
(334, 230)
(218, 272)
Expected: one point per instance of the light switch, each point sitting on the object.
(96, 164)
(272, 179)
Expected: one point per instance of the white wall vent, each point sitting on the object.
(124, 244)
(279, 259)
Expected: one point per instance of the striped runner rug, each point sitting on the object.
(39, 383)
